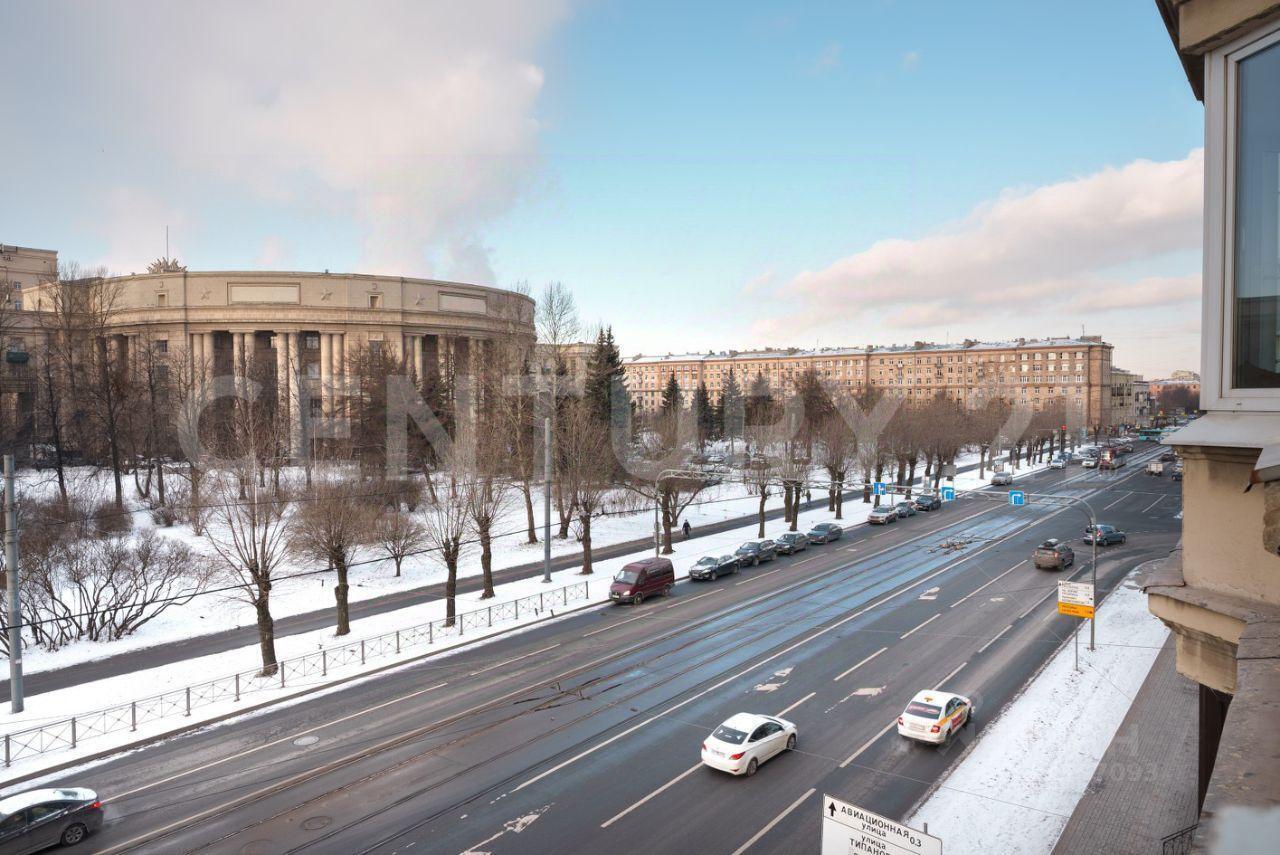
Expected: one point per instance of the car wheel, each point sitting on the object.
(666, 592)
(791, 742)
(755, 562)
(73, 834)
(714, 576)
(637, 599)
(751, 767)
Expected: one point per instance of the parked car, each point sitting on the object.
(644, 578)
(883, 515)
(1176, 475)
(1001, 479)
(715, 459)
(905, 509)
(38, 819)
(754, 551)
(1168, 457)
(925, 502)
(1105, 535)
(1053, 554)
(712, 567)
(825, 532)
(747, 740)
(791, 542)
(934, 716)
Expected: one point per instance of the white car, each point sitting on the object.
(745, 741)
(934, 716)
(1062, 461)
(1089, 463)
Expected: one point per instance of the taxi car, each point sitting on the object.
(934, 716)
(745, 741)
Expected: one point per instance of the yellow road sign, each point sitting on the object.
(1075, 610)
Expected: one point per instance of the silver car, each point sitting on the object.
(883, 515)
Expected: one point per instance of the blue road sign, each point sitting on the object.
(880, 488)
(1017, 498)
(948, 494)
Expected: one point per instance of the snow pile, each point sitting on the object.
(1017, 788)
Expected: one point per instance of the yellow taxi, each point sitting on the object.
(934, 716)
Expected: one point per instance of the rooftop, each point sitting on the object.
(917, 347)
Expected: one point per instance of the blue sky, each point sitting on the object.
(704, 175)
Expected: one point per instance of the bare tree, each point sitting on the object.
(490, 493)
(836, 454)
(331, 524)
(588, 470)
(398, 534)
(447, 519)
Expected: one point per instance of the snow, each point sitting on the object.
(1015, 791)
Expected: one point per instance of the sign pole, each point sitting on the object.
(11, 570)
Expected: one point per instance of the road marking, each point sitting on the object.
(613, 625)
(796, 704)
(762, 575)
(931, 594)
(1118, 501)
(959, 668)
(1036, 604)
(668, 785)
(926, 623)
(992, 582)
(984, 647)
(1153, 504)
(684, 600)
(860, 664)
(803, 560)
(868, 743)
(517, 659)
(777, 819)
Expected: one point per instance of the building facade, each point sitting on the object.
(1220, 594)
(1124, 397)
(1034, 372)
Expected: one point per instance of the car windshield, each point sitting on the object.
(629, 576)
(747, 547)
(728, 734)
(923, 710)
(704, 561)
(1049, 544)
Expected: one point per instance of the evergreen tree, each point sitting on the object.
(671, 397)
(760, 406)
(604, 378)
(704, 416)
(732, 412)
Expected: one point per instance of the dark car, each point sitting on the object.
(1177, 473)
(1054, 555)
(712, 567)
(905, 509)
(1168, 457)
(791, 543)
(754, 551)
(38, 819)
(825, 532)
(1126, 447)
(1105, 534)
(927, 503)
(644, 578)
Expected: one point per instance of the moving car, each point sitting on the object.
(754, 551)
(905, 509)
(1168, 457)
(825, 532)
(714, 566)
(745, 741)
(38, 819)
(1053, 554)
(1177, 472)
(791, 543)
(1060, 462)
(883, 515)
(1155, 467)
(1089, 462)
(644, 578)
(927, 503)
(1105, 534)
(1001, 479)
(934, 716)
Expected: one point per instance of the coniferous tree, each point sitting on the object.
(672, 399)
(604, 378)
(760, 406)
(704, 416)
(732, 412)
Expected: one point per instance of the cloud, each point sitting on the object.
(416, 120)
(827, 59)
(1065, 245)
(131, 221)
(911, 59)
(276, 253)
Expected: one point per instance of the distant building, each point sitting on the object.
(576, 358)
(1124, 397)
(1142, 402)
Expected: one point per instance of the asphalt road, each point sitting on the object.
(231, 639)
(582, 734)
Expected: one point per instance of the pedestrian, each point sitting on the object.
(687, 528)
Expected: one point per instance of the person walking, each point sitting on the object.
(687, 528)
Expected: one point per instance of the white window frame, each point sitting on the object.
(1217, 350)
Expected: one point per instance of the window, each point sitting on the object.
(312, 341)
(162, 299)
(160, 345)
(375, 301)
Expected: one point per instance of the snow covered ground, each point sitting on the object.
(1017, 788)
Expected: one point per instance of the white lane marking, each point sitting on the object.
(855, 755)
(668, 785)
(777, 819)
(994, 639)
(515, 826)
(803, 560)
(923, 625)
(959, 668)
(796, 704)
(114, 797)
(931, 594)
(1158, 500)
(614, 625)
(516, 659)
(859, 665)
(992, 582)
(768, 687)
(1117, 501)
(684, 600)
(1036, 604)
(762, 575)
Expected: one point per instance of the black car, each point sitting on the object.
(1177, 473)
(927, 503)
(37, 819)
(905, 509)
(1105, 534)
(825, 532)
(712, 567)
(791, 543)
(754, 551)
(1168, 457)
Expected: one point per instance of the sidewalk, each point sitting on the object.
(1145, 787)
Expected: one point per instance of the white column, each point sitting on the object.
(419, 358)
(284, 400)
(326, 372)
(237, 356)
(297, 399)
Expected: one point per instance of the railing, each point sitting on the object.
(1179, 843)
(67, 734)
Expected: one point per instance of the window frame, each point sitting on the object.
(1221, 71)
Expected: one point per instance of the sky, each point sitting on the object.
(703, 176)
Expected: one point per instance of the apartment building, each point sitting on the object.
(1124, 397)
(1031, 371)
(1220, 594)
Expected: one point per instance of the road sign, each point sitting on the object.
(1076, 599)
(948, 494)
(1017, 498)
(848, 829)
(880, 488)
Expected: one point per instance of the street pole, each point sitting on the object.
(546, 499)
(1093, 621)
(657, 538)
(11, 570)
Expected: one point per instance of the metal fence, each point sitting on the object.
(68, 733)
(1180, 842)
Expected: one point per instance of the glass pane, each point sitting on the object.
(1257, 222)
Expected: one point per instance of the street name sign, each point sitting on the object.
(1075, 599)
(948, 494)
(1017, 498)
(850, 830)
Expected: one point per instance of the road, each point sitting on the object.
(582, 734)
